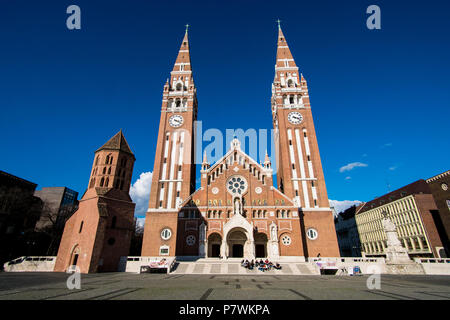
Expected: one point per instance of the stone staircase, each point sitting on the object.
(233, 267)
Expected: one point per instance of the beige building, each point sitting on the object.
(412, 210)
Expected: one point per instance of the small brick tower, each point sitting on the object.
(100, 231)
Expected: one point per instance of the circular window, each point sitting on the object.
(444, 186)
(286, 240)
(312, 234)
(166, 234)
(111, 241)
(190, 240)
(237, 185)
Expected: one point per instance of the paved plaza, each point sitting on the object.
(128, 286)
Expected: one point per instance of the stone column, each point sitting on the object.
(412, 243)
(223, 249)
(250, 249)
(420, 243)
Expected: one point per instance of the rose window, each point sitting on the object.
(190, 240)
(286, 240)
(237, 185)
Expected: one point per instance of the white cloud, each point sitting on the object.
(392, 168)
(340, 206)
(348, 178)
(352, 165)
(140, 192)
(140, 222)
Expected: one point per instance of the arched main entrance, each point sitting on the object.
(236, 240)
(214, 242)
(260, 245)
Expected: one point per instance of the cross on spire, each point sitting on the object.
(279, 23)
(187, 27)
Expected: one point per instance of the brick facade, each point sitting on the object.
(99, 232)
(253, 218)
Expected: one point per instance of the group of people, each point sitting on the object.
(261, 265)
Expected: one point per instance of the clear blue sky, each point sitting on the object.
(378, 97)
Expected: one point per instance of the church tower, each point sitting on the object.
(99, 232)
(299, 169)
(174, 167)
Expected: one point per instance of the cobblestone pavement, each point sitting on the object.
(127, 286)
(235, 268)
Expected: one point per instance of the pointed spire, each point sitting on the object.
(183, 62)
(205, 164)
(266, 159)
(117, 142)
(267, 163)
(283, 51)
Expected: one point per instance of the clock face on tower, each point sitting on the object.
(176, 120)
(295, 117)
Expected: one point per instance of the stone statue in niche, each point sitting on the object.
(273, 232)
(237, 206)
(202, 232)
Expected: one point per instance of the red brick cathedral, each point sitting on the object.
(237, 212)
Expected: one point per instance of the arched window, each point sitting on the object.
(106, 182)
(109, 170)
(111, 160)
(96, 160)
(179, 86)
(113, 222)
(290, 83)
(291, 99)
(102, 182)
(104, 170)
(107, 159)
(178, 103)
(81, 226)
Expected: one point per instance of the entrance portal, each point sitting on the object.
(214, 242)
(215, 250)
(238, 251)
(260, 245)
(260, 251)
(236, 240)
